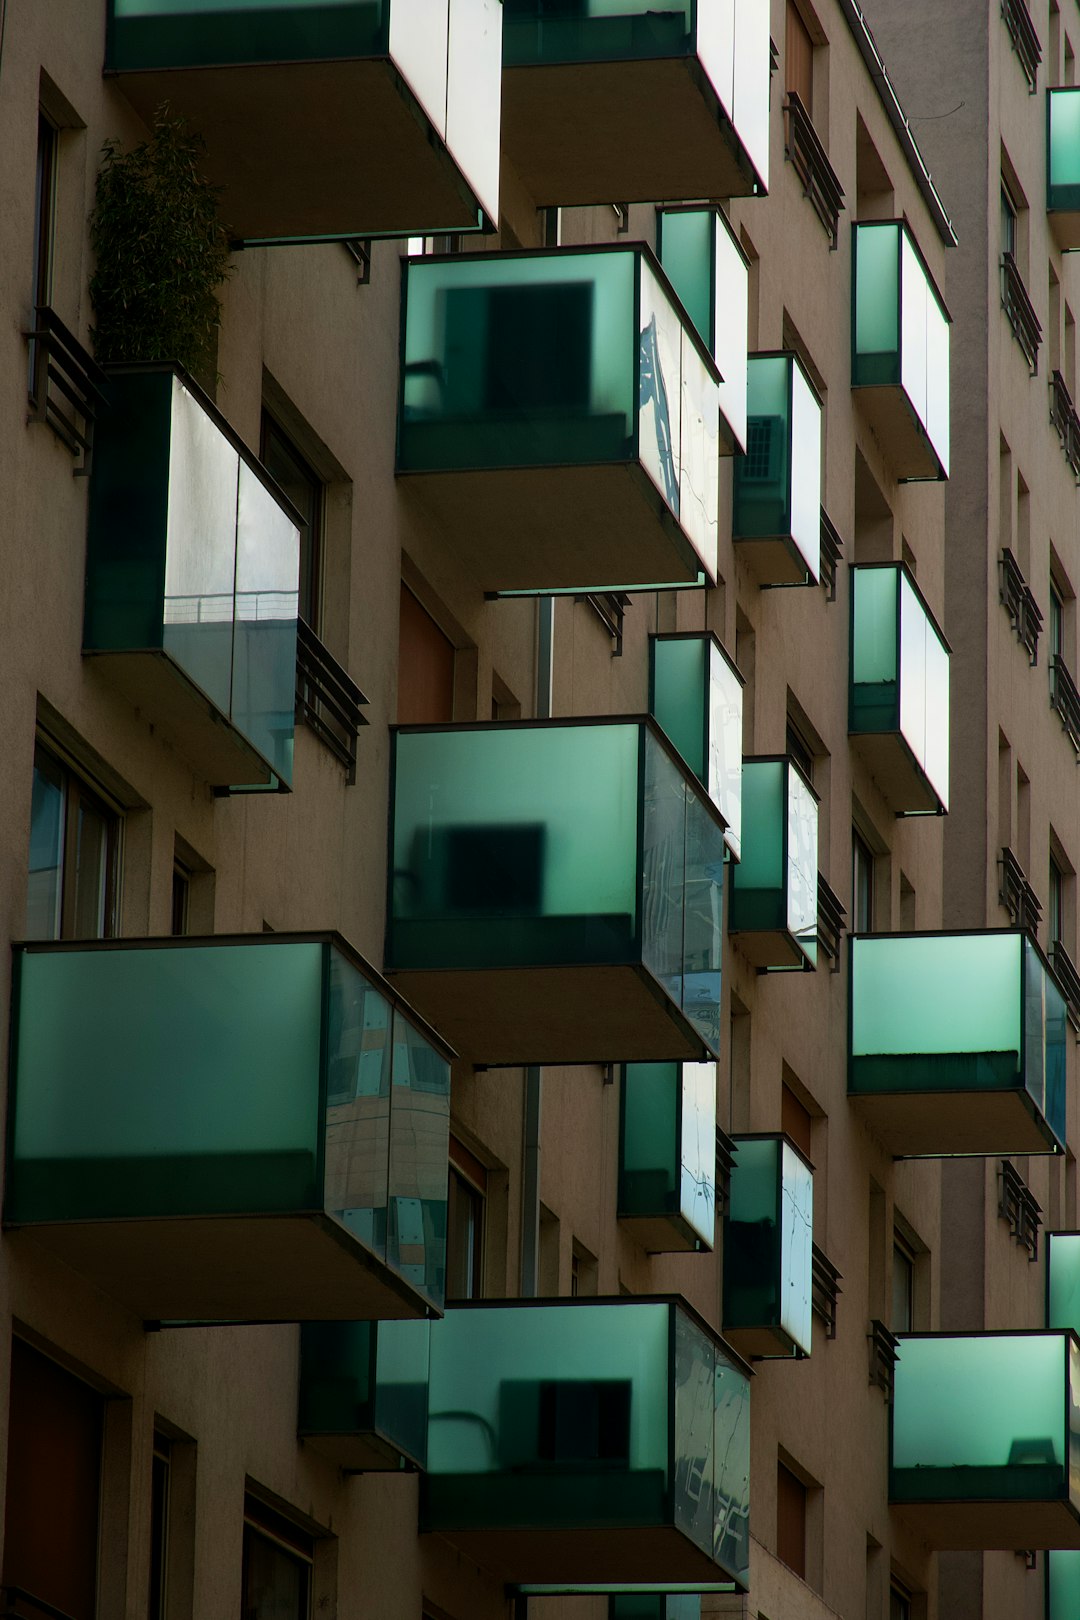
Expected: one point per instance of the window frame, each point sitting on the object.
(466, 1169)
(862, 857)
(298, 1545)
(313, 530)
(76, 794)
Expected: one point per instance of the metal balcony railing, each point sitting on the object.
(1069, 980)
(1018, 1205)
(831, 919)
(1017, 895)
(725, 1161)
(328, 701)
(610, 608)
(807, 156)
(1025, 41)
(67, 387)
(832, 548)
(883, 1351)
(825, 1290)
(15, 1604)
(1065, 698)
(1064, 418)
(1021, 311)
(1016, 597)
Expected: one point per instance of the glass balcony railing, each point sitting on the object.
(777, 500)
(229, 1129)
(774, 898)
(1063, 164)
(957, 1043)
(192, 578)
(695, 695)
(898, 712)
(985, 1443)
(661, 102)
(364, 1393)
(768, 1249)
(556, 891)
(532, 385)
(710, 272)
(655, 1606)
(900, 350)
(604, 1442)
(667, 1155)
(292, 97)
(1062, 1584)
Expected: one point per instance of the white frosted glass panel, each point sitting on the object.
(802, 834)
(699, 484)
(698, 1149)
(264, 661)
(418, 44)
(660, 390)
(474, 95)
(796, 1245)
(805, 471)
(936, 993)
(716, 47)
(753, 64)
(937, 379)
(730, 329)
(725, 746)
(913, 297)
(913, 635)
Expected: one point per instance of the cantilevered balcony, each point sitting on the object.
(898, 709)
(667, 1155)
(626, 99)
(192, 578)
(559, 419)
(696, 696)
(229, 1129)
(604, 1442)
(705, 264)
(900, 350)
(774, 888)
(985, 1440)
(1063, 164)
(776, 521)
(768, 1244)
(957, 1043)
(556, 891)
(363, 1400)
(350, 119)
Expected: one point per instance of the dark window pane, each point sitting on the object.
(46, 848)
(275, 1580)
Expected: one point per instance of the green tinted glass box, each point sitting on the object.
(363, 1401)
(773, 912)
(667, 1155)
(696, 696)
(776, 516)
(768, 1244)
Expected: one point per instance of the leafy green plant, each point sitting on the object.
(162, 253)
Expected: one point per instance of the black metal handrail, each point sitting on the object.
(832, 548)
(610, 608)
(67, 386)
(38, 1608)
(1027, 329)
(1065, 420)
(1016, 596)
(1068, 979)
(1025, 41)
(1016, 893)
(831, 916)
(1018, 1205)
(1065, 698)
(809, 159)
(328, 700)
(825, 1289)
(726, 1152)
(884, 1347)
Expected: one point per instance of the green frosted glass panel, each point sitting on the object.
(986, 1417)
(536, 33)
(649, 1148)
(1063, 1584)
(1045, 1041)
(515, 846)
(358, 1105)
(757, 883)
(520, 361)
(805, 503)
(687, 251)
(664, 871)
(900, 671)
(201, 33)
(876, 358)
(655, 1606)
(768, 1235)
(695, 1414)
(680, 694)
(762, 498)
(731, 1469)
(1063, 1280)
(366, 1378)
(802, 868)
(703, 930)
(419, 1122)
(267, 597)
(874, 639)
(1063, 134)
(936, 418)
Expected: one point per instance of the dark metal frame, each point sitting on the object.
(328, 700)
(1065, 698)
(831, 917)
(1025, 40)
(1016, 596)
(1068, 980)
(67, 387)
(1016, 893)
(825, 1290)
(1064, 420)
(1018, 1205)
(1015, 301)
(832, 550)
(809, 159)
(884, 1347)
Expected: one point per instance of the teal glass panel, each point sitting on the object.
(695, 1416)
(46, 849)
(1063, 135)
(519, 361)
(762, 498)
(875, 650)
(731, 1469)
(1063, 1280)
(703, 945)
(419, 1127)
(663, 894)
(924, 358)
(768, 1237)
(697, 1153)
(267, 598)
(359, 1378)
(936, 1012)
(1062, 1584)
(680, 694)
(876, 357)
(515, 846)
(1045, 1040)
(166, 1081)
(686, 247)
(655, 1606)
(649, 1140)
(358, 1105)
(760, 884)
(802, 867)
(536, 33)
(805, 470)
(986, 1418)
(201, 33)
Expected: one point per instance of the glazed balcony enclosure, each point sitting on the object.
(957, 1043)
(363, 1399)
(667, 1155)
(1062, 1252)
(708, 269)
(350, 119)
(620, 98)
(192, 578)
(898, 708)
(900, 350)
(985, 1441)
(556, 891)
(604, 1442)
(768, 1244)
(249, 1128)
(559, 419)
(1062, 1584)
(696, 696)
(1063, 165)
(776, 519)
(774, 907)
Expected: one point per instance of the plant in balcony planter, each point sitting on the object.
(162, 252)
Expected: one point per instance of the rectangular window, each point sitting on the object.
(74, 847)
(800, 750)
(465, 1224)
(1055, 626)
(44, 215)
(799, 55)
(903, 1288)
(302, 484)
(160, 1481)
(425, 666)
(862, 885)
(1054, 888)
(1008, 223)
(181, 896)
(278, 1558)
(795, 1120)
(790, 1520)
(899, 1603)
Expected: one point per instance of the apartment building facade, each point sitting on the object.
(458, 1162)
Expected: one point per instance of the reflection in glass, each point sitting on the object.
(46, 849)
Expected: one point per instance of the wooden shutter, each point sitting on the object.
(799, 57)
(425, 667)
